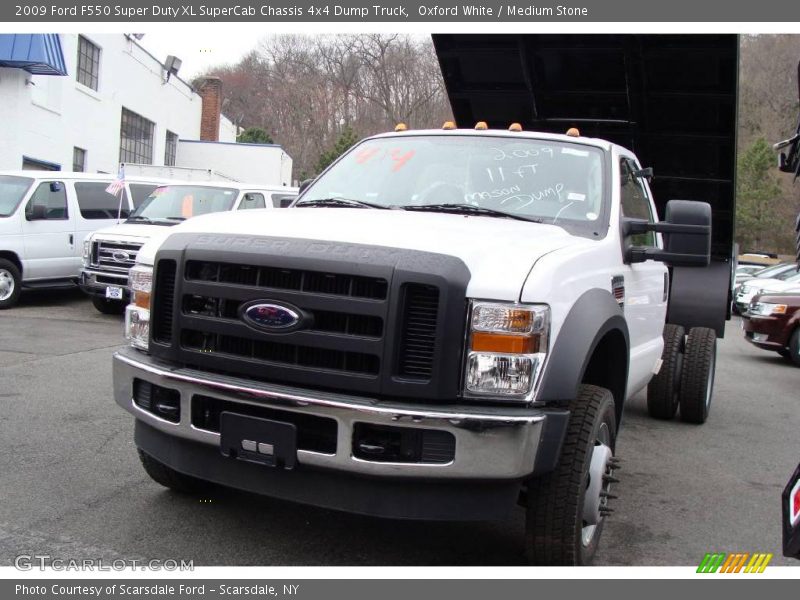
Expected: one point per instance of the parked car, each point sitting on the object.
(45, 217)
(772, 322)
(745, 272)
(781, 279)
(108, 254)
(763, 259)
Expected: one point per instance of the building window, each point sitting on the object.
(88, 72)
(171, 149)
(136, 138)
(78, 159)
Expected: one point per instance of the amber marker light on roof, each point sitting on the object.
(515, 127)
(481, 125)
(401, 127)
(573, 132)
(449, 125)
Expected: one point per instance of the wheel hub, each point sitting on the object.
(6, 285)
(597, 494)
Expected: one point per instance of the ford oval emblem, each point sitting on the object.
(271, 316)
(121, 256)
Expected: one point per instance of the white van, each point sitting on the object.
(109, 253)
(45, 217)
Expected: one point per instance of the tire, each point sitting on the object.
(108, 307)
(554, 525)
(170, 478)
(785, 353)
(697, 378)
(794, 347)
(10, 284)
(662, 391)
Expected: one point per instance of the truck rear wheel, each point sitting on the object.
(10, 284)
(662, 391)
(566, 509)
(697, 379)
(108, 307)
(170, 478)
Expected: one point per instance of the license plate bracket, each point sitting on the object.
(257, 440)
(114, 292)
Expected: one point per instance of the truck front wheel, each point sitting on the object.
(108, 307)
(697, 379)
(566, 509)
(170, 478)
(662, 391)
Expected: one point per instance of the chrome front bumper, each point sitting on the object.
(491, 443)
(88, 281)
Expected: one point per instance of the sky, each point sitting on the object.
(198, 52)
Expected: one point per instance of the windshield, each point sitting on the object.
(765, 273)
(540, 180)
(180, 202)
(12, 190)
(789, 274)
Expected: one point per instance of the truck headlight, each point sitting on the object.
(506, 348)
(87, 249)
(137, 314)
(767, 309)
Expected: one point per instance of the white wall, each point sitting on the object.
(248, 163)
(44, 117)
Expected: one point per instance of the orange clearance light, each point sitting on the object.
(573, 132)
(502, 342)
(449, 125)
(481, 125)
(515, 127)
(401, 127)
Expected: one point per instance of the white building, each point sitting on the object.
(106, 101)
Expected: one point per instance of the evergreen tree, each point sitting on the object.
(346, 139)
(758, 220)
(254, 135)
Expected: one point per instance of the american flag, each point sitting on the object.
(115, 187)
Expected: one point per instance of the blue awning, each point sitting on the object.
(37, 53)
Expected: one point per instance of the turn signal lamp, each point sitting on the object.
(507, 347)
(401, 127)
(515, 127)
(481, 126)
(573, 132)
(449, 125)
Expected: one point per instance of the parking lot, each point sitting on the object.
(72, 486)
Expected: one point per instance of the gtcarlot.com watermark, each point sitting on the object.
(30, 562)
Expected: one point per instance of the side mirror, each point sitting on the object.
(36, 212)
(55, 186)
(687, 235)
(304, 184)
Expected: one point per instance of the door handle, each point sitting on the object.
(71, 239)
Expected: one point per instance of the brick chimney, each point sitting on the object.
(210, 91)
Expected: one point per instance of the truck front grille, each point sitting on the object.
(368, 325)
(117, 257)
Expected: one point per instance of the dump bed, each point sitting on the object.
(669, 98)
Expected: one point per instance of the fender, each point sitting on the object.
(595, 314)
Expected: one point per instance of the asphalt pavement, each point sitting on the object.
(71, 485)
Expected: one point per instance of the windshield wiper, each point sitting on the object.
(469, 209)
(342, 203)
(149, 221)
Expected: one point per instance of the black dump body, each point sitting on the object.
(672, 99)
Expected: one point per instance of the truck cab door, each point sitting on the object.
(48, 231)
(645, 284)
